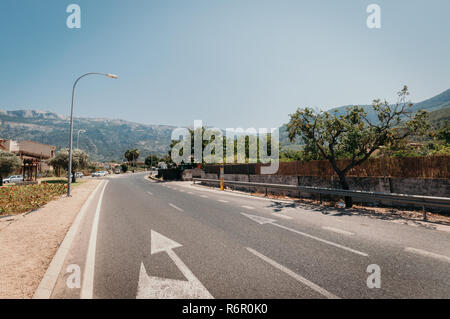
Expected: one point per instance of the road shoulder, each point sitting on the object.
(30, 242)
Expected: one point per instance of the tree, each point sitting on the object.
(124, 167)
(151, 160)
(61, 160)
(132, 156)
(352, 135)
(9, 163)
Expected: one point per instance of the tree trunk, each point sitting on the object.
(348, 200)
(1, 181)
(74, 180)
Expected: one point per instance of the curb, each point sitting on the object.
(48, 282)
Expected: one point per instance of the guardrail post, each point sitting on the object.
(222, 178)
(266, 192)
(424, 212)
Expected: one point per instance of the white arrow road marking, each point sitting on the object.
(204, 196)
(223, 201)
(262, 220)
(162, 288)
(294, 275)
(176, 207)
(150, 193)
(87, 288)
(337, 230)
(427, 254)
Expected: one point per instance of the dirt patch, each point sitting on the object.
(29, 242)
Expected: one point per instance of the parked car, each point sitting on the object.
(13, 179)
(117, 171)
(79, 175)
(99, 174)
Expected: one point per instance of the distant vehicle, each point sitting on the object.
(117, 171)
(13, 179)
(79, 175)
(99, 174)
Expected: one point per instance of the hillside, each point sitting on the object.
(107, 139)
(103, 140)
(437, 102)
(438, 106)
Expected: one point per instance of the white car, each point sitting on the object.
(79, 175)
(13, 179)
(99, 174)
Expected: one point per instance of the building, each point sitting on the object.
(33, 155)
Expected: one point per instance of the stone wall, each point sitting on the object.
(411, 186)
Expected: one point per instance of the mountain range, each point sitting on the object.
(108, 139)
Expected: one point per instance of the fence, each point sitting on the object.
(414, 167)
(416, 200)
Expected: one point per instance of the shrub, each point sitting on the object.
(25, 198)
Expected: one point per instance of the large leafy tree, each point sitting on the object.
(9, 163)
(352, 135)
(61, 160)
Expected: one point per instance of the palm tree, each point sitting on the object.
(132, 156)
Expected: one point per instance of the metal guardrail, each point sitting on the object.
(423, 201)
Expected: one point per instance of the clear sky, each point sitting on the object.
(230, 63)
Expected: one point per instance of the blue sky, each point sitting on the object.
(230, 63)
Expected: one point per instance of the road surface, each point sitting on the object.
(143, 239)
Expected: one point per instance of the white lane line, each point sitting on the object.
(204, 196)
(48, 282)
(263, 220)
(150, 193)
(248, 207)
(337, 230)
(181, 190)
(427, 254)
(282, 216)
(223, 201)
(87, 288)
(294, 275)
(323, 240)
(176, 207)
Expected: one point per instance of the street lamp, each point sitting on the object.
(78, 137)
(69, 172)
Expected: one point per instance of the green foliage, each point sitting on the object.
(152, 160)
(9, 163)
(25, 198)
(132, 156)
(226, 142)
(353, 135)
(124, 167)
(80, 159)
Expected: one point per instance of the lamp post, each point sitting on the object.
(78, 137)
(69, 171)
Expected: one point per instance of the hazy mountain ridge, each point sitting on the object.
(438, 106)
(108, 139)
(104, 139)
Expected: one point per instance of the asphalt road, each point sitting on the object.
(142, 239)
